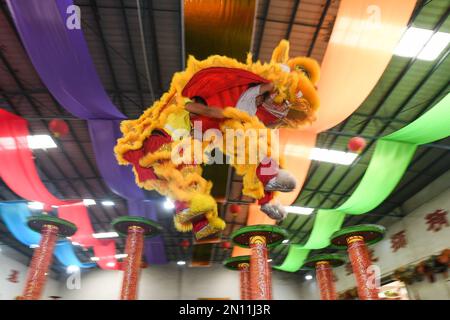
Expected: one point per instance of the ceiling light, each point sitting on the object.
(95, 259)
(41, 141)
(103, 235)
(333, 156)
(434, 47)
(308, 277)
(414, 39)
(299, 210)
(168, 204)
(121, 256)
(326, 155)
(269, 260)
(72, 269)
(108, 203)
(111, 264)
(89, 202)
(34, 205)
(285, 241)
(181, 263)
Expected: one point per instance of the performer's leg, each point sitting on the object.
(266, 171)
(274, 179)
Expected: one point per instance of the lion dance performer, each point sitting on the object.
(203, 103)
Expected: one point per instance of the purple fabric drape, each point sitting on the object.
(61, 57)
(120, 179)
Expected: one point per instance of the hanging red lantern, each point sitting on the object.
(356, 144)
(185, 243)
(226, 245)
(235, 209)
(58, 128)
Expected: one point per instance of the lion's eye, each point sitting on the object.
(302, 69)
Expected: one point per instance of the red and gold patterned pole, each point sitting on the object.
(259, 238)
(323, 264)
(40, 263)
(354, 239)
(360, 260)
(241, 264)
(135, 229)
(269, 278)
(133, 249)
(244, 271)
(49, 227)
(324, 276)
(259, 269)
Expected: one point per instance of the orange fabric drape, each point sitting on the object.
(360, 48)
(361, 45)
(302, 142)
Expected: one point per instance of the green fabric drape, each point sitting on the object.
(387, 166)
(391, 158)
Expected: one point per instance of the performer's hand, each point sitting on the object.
(208, 111)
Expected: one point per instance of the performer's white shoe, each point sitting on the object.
(274, 210)
(284, 182)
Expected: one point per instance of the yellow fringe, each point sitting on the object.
(310, 65)
(182, 227)
(281, 52)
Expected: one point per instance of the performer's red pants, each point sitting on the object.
(266, 170)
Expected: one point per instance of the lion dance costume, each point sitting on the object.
(150, 142)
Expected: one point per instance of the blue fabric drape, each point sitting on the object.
(15, 214)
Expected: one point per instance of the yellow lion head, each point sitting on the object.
(307, 70)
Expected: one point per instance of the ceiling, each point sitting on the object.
(406, 90)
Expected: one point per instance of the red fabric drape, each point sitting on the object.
(103, 249)
(106, 250)
(17, 167)
(77, 213)
(18, 171)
